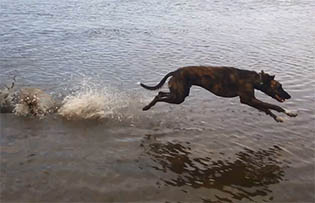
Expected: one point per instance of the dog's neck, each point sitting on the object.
(258, 84)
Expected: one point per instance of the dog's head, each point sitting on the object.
(272, 87)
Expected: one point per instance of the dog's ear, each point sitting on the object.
(270, 77)
(265, 77)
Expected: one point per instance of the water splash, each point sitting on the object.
(87, 99)
(92, 102)
(33, 101)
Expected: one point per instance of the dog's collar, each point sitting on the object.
(261, 79)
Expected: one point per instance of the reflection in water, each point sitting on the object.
(246, 177)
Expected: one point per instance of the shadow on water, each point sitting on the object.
(245, 177)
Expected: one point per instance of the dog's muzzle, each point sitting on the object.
(282, 96)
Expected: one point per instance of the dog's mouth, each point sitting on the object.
(279, 99)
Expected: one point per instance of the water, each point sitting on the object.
(104, 148)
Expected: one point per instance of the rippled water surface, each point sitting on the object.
(208, 149)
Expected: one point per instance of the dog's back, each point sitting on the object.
(222, 81)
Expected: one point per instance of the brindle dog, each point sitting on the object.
(224, 82)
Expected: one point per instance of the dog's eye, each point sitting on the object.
(278, 86)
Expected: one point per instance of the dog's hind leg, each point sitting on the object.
(164, 94)
(171, 98)
(178, 93)
(157, 98)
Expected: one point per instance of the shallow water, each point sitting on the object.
(208, 149)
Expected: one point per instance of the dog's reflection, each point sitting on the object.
(245, 177)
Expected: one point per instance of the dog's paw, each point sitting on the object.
(279, 119)
(138, 83)
(146, 108)
(290, 113)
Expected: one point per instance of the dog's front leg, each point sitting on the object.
(275, 107)
(262, 106)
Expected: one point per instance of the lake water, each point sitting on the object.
(208, 149)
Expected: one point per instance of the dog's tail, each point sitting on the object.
(158, 86)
